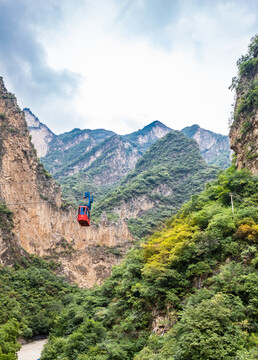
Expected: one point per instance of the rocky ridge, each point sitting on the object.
(84, 152)
(41, 134)
(244, 129)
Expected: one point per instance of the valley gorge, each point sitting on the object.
(187, 234)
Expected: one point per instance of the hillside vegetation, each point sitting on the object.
(164, 178)
(194, 281)
(97, 160)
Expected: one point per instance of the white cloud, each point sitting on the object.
(177, 72)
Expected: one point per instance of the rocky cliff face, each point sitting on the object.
(110, 155)
(244, 129)
(109, 161)
(42, 224)
(41, 134)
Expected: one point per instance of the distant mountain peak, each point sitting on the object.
(154, 124)
(148, 135)
(157, 123)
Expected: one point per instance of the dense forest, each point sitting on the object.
(31, 298)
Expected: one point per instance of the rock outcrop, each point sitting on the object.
(43, 225)
(244, 129)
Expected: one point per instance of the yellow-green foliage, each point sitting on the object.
(167, 245)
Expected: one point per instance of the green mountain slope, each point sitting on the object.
(64, 149)
(97, 160)
(164, 178)
(194, 281)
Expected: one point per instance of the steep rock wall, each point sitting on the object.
(41, 222)
(41, 135)
(244, 129)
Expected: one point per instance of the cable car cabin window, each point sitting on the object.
(88, 213)
(81, 210)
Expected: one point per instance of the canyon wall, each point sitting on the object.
(43, 225)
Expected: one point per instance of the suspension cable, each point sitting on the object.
(25, 182)
(22, 203)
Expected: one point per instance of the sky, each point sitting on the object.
(121, 64)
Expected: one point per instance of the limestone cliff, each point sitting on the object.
(244, 129)
(41, 134)
(42, 224)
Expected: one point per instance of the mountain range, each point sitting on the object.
(99, 159)
(143, 177)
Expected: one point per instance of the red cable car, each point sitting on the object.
(84, 216)
(84, 211)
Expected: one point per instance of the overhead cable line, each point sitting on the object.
(30, 202)
(24, 182)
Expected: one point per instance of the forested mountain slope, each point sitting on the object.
(67, 151)
(97, 160)
(164, 178)
(103, 167)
